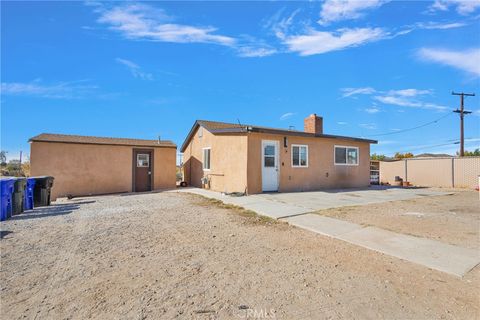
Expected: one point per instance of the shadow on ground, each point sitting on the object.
(51, 211)
(3, 233)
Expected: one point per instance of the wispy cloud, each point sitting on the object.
(286, 116)
(440, 26)
(409, 102)
(144, 22)
(386, 142)
(250, 47)
(369, 126)
(403, 97)
(318, 42)
(342, 123)
(135, 69)
(372, 110)
(337, 10)
(463, 7)
(280, 24)
(410, 92)
(249, 52)
(349, 92)
(58, 90)
(467, 60)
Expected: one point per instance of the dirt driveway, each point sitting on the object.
(169, 255)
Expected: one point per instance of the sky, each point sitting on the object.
(371, 68)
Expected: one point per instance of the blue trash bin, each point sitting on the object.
(28, 200)
(6, 193)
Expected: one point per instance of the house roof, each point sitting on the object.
(225, 128)
(63, 138)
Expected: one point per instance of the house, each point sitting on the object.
(83, 165)
(251, 159)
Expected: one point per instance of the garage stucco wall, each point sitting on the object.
(88, 169)
(228, 163)
(322, 173)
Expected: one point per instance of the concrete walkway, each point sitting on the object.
(296, 208)
(433, 254)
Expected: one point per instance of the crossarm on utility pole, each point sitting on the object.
(462, 112)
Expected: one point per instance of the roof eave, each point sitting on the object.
(108, 144)
(307, 134)
(189, 136)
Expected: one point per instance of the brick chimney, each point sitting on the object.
(313, 124)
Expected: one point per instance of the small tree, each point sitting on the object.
(14, 168)
(26, 169)
(379, 157)
(474, 153)
(3, 158)
(399, 155)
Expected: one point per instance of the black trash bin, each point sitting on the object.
(18, 195)
(41, 193)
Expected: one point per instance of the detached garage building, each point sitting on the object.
(85, 165)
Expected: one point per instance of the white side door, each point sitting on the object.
(270, 173)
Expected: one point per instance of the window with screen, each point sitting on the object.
(346, 155)
(299, 156)
(206, 158)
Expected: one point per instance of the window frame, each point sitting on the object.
(299, 160)
(346, 155)
(209, 159)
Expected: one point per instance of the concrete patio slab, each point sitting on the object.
(262, 206)
(320, 200)
(283, 205)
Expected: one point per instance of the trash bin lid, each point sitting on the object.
(7, 185)
(20, 183)
(43, 181)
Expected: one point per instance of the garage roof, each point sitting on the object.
(63, 138)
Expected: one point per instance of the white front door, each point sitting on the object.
(269, 165)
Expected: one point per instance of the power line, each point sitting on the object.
(428, 147)
(410, 129)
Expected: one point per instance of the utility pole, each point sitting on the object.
(462, 112)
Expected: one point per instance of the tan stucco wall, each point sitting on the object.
(228, 164)
(87, 169)
(320, 164)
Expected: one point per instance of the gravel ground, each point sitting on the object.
(453, 219)
(168, 255)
